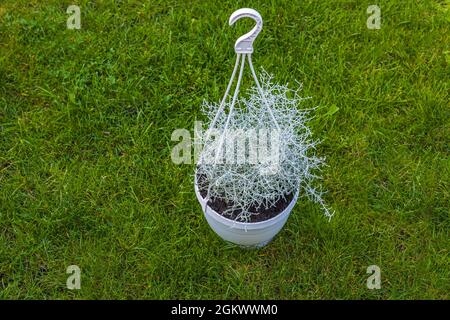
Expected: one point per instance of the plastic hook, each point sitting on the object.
(245, 43)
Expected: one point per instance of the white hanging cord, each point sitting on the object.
(222, 103)
(233, 101)
(243, 47)
(236, 92)
(213, 123)
(261, 91)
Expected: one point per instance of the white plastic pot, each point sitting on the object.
(246, 234)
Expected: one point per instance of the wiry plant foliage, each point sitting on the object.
(249, 186)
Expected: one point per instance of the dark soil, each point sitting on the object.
(261, 214)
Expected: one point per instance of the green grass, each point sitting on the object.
(86, 178)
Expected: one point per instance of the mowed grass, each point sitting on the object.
(86, 176)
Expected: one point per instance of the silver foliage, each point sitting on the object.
(256, 185)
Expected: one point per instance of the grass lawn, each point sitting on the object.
(86, 176)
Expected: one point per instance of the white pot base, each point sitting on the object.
(245, 234)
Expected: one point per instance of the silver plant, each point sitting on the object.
(260, 185)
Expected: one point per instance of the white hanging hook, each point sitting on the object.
(245, 43)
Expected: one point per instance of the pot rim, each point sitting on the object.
(263, 223)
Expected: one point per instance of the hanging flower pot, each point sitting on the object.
(247, 234)
(257, 154)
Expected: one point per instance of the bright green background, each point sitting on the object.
(86, 178)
